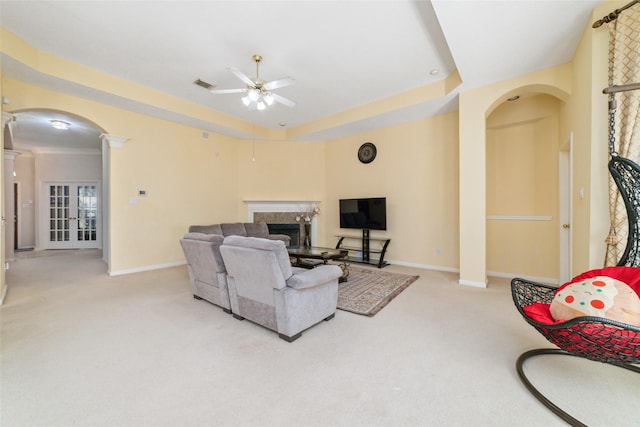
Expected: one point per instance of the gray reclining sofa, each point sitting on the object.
(207, 272)
(247, 229)
(265, 289)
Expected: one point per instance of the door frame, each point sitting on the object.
(16, 212)
(565, 207)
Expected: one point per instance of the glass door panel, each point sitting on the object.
(59, 213)
(87, 213)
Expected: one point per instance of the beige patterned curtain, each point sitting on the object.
(624, 123)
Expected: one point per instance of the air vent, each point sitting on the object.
(204, 84)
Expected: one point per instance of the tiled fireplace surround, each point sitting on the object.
(282, 212)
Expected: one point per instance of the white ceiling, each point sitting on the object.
(342, 54)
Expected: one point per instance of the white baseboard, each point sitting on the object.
(440, 268)
(146, 268)
(425, 266)
(472, 283)
(547, 280)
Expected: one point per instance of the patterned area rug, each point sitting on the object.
(367, 291)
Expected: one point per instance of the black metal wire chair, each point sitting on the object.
(593, 338)
(626, 175)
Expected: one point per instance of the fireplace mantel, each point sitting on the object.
(254, 206)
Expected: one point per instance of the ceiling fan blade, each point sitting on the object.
(282, 100)
(239, 74)
(275, 84)
(225, 91)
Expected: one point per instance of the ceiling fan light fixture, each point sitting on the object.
(268, 98)
(246, 101)
(254, 94)
(261, 105)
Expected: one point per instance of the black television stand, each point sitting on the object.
(363, 253)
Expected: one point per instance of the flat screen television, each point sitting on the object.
(364, 214)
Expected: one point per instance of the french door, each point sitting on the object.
(73, 216)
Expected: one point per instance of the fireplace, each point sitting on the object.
(291, 230)
(283, 213)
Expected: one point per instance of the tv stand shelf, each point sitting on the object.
(364, 254)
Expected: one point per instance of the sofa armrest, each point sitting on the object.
(314, 277)
(285, 238)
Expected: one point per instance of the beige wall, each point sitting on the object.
(416, 169)
(280, 170)
(585, 115)
(188, 180)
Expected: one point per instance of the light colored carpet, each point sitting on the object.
(367, 290)
(80, 348)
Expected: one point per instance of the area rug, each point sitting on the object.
(367, 291)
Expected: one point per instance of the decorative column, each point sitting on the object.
(9, 215)
(6, 118)
(108, 141)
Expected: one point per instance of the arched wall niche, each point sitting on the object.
(523, 186)
(475, 106)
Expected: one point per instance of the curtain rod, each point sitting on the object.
(621, 88)
(613, 15)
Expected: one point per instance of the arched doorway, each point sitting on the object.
(59, 177)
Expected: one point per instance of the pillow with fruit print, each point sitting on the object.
(598, 296)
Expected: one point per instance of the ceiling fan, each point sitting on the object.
(258, 93)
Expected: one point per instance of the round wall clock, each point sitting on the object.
(367, 152)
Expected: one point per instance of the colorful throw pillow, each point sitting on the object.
(628, 275)
(598, 296)
(540, 312)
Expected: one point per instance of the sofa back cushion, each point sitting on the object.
(257, 229)
(206, 229)
(276, 246)
(202, 252)
(234, 229)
